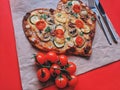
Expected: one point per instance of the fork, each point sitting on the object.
(91, 4)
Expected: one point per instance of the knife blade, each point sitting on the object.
(103, 14)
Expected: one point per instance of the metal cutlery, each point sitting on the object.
(103, 14)
(91, 4)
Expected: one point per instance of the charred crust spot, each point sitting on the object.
(51, 11)
(92, 34)
(72, 49)
(87, 49)
(26, 16)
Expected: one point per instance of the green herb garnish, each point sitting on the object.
(81, 33)
(48, 29)
(43, 16)
(93, 18)
(75, 15)
(70, 4)
(58, 14)
(68, 38)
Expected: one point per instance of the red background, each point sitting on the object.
(104, 78)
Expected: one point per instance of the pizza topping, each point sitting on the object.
(71, 25)
(84, 12)
(61, 17)
(75, 2)
(45, 37)
(59, 26)
(34, 19)
(86, 29)
(69, 3)
(67, 9)
(79, 23)
(41, 25)
(59, 33)
(51, 11)
(48, 29)
(70, 44)
(59, 42)
(73, 32)
(76, 8)
(27, 26)
(44, 16)
(79, 41)
(50, 21)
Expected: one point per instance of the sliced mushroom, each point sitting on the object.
(50, 21)
(73, 32)
(44, 36)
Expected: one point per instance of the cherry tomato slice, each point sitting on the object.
(79, 41)
(43, 74)
(76, 8)
(41, 25)
(63, 60)
(73, 81)
(40, 57)
(71, 68)
(59, 33)
(52, 57)
(61, 81)
(79, 24)
(55, 69)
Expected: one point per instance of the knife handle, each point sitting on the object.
(110, 29)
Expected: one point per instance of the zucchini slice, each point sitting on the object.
(58, 45)
(86, 29)
(33, 19)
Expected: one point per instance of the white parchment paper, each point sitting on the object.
(102, 54)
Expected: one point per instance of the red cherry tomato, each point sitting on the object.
(61, 81)
(73, 81)
(63, 60)
(59, 33)
(55, 69)
(52, 57)
(76, 8)
(79, 41)
(41, 25)
(40, 58)
(71, 68)
(43, 74)
(79, 23)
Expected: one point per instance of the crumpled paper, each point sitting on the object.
(102, 54)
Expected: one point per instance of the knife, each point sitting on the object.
(103, 14)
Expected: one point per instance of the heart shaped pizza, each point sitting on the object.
(69, 29)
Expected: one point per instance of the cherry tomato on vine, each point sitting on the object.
(43, 74)
(73, 81)
(55, 69)
(61, 81)
(71, 68)
(40, 57)
(52, 57)
(63, 60)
